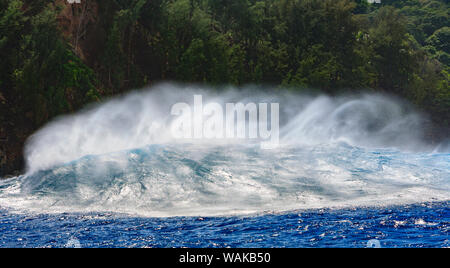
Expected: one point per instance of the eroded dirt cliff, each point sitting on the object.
(79, 25)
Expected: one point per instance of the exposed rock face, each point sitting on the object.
(11, 143)
(3, 136)
(11, 160)
(12, 138)
(3, 159)
(79, 25)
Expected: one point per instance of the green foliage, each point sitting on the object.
(393, 55)
(400, 47)
(119, 49)
(41, 76)
(438, 45)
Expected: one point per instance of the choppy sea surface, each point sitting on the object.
(349, 171)
(232, 196)
(415, 226)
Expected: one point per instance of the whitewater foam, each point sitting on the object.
(344, 151)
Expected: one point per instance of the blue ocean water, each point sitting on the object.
(419, 225)
(170, 196)
(349, 171)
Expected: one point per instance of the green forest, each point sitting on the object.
(398, 47)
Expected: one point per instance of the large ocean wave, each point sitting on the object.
(347, 151)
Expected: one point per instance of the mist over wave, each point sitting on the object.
(134, 121)
(334, 151)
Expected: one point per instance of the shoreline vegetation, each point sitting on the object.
(57, 57)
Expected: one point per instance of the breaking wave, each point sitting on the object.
(363, 150)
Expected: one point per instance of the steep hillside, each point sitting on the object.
(56, 57)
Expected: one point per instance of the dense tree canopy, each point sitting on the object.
(39, 74)
(400, 47)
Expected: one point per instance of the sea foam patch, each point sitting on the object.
(345, 151)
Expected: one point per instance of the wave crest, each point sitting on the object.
(334, 152)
